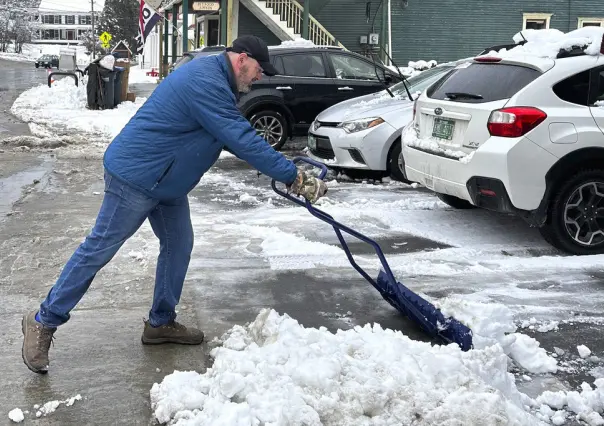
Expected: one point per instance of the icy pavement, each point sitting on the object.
(254, 251)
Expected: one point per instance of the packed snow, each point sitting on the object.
(275, 371)
(548, 43)
(16, 415)
(296, 43)
(584, 351)
(414, 68)
(137, 75)
(61, 110)
(410, 138)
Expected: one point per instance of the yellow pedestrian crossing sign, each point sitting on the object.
(105, 39)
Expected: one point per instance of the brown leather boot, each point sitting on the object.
(172, 332)
(36, 342)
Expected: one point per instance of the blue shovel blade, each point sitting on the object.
(423, 312)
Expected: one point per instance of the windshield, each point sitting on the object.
(420, 82)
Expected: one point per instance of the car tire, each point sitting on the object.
(575, 222)
(272, 126)
(37, 65)
(396, 164)
(455, 202)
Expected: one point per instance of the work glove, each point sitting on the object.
(308, 186)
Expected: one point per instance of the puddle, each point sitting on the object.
(11, 187)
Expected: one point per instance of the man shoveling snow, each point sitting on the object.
(150, 167)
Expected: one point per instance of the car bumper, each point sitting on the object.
(366, 150)
(503, 174)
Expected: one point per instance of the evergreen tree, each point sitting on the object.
(120, 19)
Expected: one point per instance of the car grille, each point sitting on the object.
(324, 149)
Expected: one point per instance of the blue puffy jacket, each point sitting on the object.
(180, 131)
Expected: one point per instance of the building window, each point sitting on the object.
(70, 20)
(85, 20)
(51, 19)
(536, 21)
(50, 35)
(590, 22)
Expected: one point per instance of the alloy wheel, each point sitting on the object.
(584, 214)
(270, 128)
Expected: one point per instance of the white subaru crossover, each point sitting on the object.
(520, 130)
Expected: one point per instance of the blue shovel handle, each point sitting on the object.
(338, 226)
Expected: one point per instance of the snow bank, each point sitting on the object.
(275, 371)
(410, 138)
(61, 110)
(548, 43)
(138, 75)
(18, 57)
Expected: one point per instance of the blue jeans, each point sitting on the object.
(123, 211)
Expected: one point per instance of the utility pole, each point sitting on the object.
(384, 33)
(93, 35)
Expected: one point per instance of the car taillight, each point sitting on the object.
(414, 108)
(487, 59)
(514, 122)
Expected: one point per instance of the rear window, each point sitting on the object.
(481, 83)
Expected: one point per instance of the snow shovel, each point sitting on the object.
(419, 310)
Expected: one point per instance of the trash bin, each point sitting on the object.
(117, 89)
(125, 64)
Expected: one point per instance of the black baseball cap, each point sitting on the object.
(255, 48)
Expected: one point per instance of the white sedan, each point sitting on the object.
(364, 133)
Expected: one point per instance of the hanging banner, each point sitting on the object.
(147, 19)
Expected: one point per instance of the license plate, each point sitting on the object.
(312, 142)
(443, 128)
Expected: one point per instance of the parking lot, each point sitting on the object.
(254, 250)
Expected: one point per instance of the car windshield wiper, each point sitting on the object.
(455, 95)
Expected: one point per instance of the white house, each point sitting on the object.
(64, 21)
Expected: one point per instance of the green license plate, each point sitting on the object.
(312, 142)
(443, 128)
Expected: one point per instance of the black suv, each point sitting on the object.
(310, 80)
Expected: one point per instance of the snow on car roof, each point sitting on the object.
(550, 42)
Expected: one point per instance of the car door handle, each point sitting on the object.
(284, 88)
(345, 88)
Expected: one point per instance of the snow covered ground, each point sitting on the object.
(277, 371)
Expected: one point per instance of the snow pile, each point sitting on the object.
(410, 138)
(548, 43)
(138, 75)
(587, 404)
(16, 415)
(61, 110)
(277, 372)
(413, 68)
(297, 43)
(492, 324)
(18, 57)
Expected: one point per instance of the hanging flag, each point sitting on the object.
(147, 19)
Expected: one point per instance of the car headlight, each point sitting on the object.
(359, 125)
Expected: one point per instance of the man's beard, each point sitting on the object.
(241, 86)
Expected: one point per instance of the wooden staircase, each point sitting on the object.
(285, 19)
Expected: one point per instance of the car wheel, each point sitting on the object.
(37, 65)
(575, 222)
(272, 126)
(396, 163)
(455, 202)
